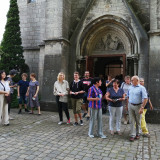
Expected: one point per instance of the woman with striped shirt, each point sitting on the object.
(95, 98)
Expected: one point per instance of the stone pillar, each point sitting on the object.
(135, 66)
(154, 60)
(56, 48)
(128, 64)
(41, 65)
(135, 60)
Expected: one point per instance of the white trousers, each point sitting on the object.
(4, 118)
(115, 113)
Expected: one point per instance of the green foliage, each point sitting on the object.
(12, 57)
(11, 50)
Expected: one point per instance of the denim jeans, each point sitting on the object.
(95, 114)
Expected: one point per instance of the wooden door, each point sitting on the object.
(90, 65)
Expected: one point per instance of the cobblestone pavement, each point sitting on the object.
(41, 138)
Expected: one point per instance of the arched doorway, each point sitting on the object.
(106, 65)
(108, 46)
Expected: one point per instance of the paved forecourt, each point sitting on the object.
(33, 137)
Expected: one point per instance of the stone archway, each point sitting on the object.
(110, 35)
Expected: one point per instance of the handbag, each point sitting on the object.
(8, 98)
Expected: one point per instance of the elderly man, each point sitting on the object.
(137, 99)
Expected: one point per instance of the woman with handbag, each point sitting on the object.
(4, 94)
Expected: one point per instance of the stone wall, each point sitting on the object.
(142, 10)
(154, 57)
(77, 10)
(32, 60)
(32, 23)
(32, 17)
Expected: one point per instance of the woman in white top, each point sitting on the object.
(61, 88)
(4, 92)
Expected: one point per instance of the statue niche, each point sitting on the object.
(109, 43)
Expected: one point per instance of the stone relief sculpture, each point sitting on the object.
(109, 42)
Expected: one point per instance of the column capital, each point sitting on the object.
(135, 57)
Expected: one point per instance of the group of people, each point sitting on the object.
(27, 93)
(128, 98)
(123, 98)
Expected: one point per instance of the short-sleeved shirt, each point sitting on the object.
(23, 86)
(93, 92)
(76, 87)
(6, 85)
(114, 95)
(125, 87)
(11, 83)
(33, 86)
(137, 94)
(87, 83)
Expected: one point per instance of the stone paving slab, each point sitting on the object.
(33, 137)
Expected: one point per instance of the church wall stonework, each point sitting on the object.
(56, 34)
(154, 59)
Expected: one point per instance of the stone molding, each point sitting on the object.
(66, 41)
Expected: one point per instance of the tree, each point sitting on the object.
(12, 57)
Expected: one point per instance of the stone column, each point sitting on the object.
(135, 60)
(129, 67)
(154, 59)
(135, 66)
(56, 48)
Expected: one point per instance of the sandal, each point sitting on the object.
(119, 133)
(31, 113)
(112, 132)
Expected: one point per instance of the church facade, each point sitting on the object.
(106, 37)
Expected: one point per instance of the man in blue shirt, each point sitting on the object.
(95, 98)
(137, 99)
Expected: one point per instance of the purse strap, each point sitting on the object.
(3, 86)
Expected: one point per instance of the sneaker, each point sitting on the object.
(75, 124)
(131, 139)
(91, 136)
(26, 110)
(68, 122)
(81, 122)
(137, 137)
(125, 122)
(20, 111)
(88, 118)
(103, 137)
(60, 122)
